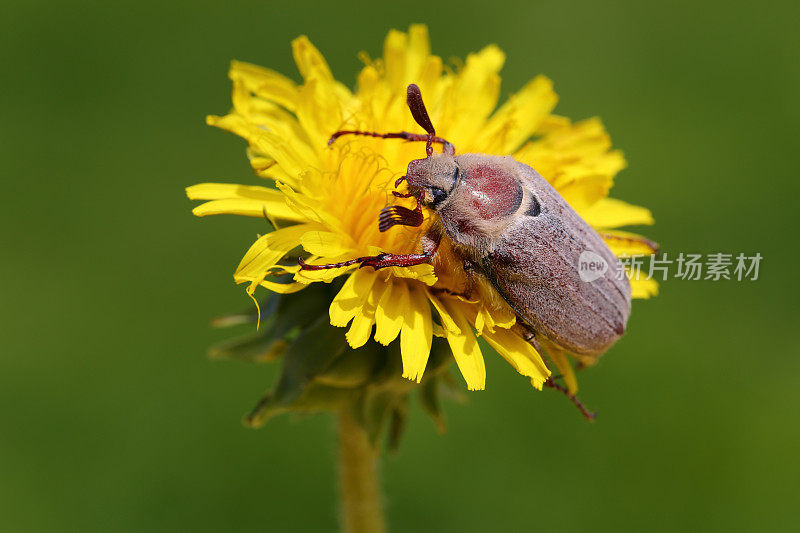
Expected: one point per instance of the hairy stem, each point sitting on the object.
(362, 511)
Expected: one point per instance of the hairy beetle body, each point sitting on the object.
(527, 241)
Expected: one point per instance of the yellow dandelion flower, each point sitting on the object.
(325, 199)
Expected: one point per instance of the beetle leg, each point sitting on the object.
(398, 214)
(430, 243)
(584, 411)
(392, 260)
(529, 334)
(420, 114)
(447, 147)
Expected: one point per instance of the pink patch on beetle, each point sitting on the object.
(494, 192)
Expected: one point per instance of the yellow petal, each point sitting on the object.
(361, 327)
(351, 297)
(613, 213)
(268, 250)
(520, 354)
(389, 313)
(321, 98)
(326, 243)
(263, 142)
(519, 118)
(623, 243)
(266, 167)
(585, 192)
(424, 273)
(553, 123)
(268, 115)
(265, 83)
(394, 59)
(493, 311)
(218, 191)
(247, 208)
(465, 349)
(240, 200)
(643, 288)
(283, 288)
(430, 77)
(571, 153)
(309, 60)
(479, 322)
(444, 316)
(308, 208)
(473, 97)
(565, 368)
(318, 111)
(419, 48)
(416, 335)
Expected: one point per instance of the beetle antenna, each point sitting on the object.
(420, 114)
(589, 415)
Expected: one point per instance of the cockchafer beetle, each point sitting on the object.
(509, 225)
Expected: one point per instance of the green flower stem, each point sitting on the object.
(362, 511)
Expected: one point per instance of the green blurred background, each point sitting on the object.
(112, 418)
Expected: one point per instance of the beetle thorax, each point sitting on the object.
(482, 202)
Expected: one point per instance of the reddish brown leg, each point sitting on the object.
(404, 135)
(430, 243)
(530, 336)
(420, 114)
(586, 413)
(403, 216)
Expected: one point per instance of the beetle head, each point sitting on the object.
(435, 176)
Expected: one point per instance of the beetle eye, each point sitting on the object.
(438, 195)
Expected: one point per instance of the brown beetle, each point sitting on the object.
(510, 225)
